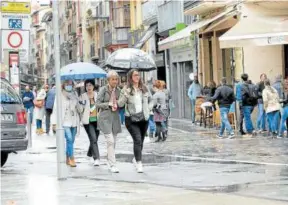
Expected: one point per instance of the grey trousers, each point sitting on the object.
(93, 134)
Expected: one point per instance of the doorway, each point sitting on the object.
(286, 60)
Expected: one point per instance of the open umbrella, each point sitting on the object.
(82, 71)
(129, 58)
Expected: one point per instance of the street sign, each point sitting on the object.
(16, 7)
(12, 39)
(16, 40)
(15, 21)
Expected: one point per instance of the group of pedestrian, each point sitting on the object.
(99, 112)
(271, 100)
(39, 105)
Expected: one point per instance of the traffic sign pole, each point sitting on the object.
(61, 164)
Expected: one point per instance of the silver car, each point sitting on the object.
(13, 121)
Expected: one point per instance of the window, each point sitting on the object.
(70, 55)
(69, 28)
(100, 8)
(8, 94)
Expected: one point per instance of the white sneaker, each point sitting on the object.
(114, 169)
(134, 162)
(139, 167)
(96, 163)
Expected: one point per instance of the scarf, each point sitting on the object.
(113, 100)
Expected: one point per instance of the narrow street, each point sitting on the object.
(191, 166)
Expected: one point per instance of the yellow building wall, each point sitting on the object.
(263, 59)
(136, 14)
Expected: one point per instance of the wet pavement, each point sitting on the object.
(191, 160)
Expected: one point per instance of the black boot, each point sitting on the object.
(159, 137)
(164, 136)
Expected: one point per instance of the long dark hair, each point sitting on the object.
(141, 86)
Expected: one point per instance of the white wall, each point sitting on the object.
(263, 59)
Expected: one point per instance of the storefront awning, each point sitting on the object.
(148, 34)
(257, 31)
(183, 37)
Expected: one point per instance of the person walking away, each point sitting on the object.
(225, 97)
(249, 101)
(240, 103)
(152, 127)
(278, 85)
(169, 103)
(122, 110)
(161, 112)
(39, 113)
(135, 98)
(71, 111)
(50, 98)
(271, 106)
(89, 119)
(261, 119)
(28, 99)
(284, 115)
(108, 116)
(194, 92)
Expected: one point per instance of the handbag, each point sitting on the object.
(138, 117)
(39, 103)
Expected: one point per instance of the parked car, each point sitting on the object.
(13, 121)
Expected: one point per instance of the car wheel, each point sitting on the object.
(4, 157)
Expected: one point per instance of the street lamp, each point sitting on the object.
(61, 164)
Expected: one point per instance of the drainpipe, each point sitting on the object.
(79, 33)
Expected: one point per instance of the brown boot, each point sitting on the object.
(67, 161)
(72, 162)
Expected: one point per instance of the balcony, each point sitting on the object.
(121, 17)
(172, 10)
(116, 39)
(134, 37)
(149, 12)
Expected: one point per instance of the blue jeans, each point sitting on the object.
(151, 124)
(261, 119)
(247, 117)
(193, 102)
(70, 133)
(225, 121)
(31, 109)
(273, 118)
(122, 115)
(284, 117)
(39, 124)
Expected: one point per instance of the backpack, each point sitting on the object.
(252, 95)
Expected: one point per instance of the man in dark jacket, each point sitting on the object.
(225, 97)
(28, 98)
(261, 119)
(248, 101)
(50, 98)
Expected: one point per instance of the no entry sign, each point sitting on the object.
(15, 39)
(12, 39)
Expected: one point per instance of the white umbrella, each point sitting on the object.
(129, 58)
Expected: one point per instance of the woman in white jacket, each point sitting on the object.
(89, 119)
(39, 110)
(271, 106)
(71, 110)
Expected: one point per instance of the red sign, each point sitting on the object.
(15, 39)
(13, 59)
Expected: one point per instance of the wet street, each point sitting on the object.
(191, 167)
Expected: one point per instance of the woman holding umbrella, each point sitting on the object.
(108, 116)
(71, 110)
(89, 119)
(134, 97)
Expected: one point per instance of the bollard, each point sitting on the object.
(29, 128)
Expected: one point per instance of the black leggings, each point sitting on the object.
(93, 134)
(137, 131)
